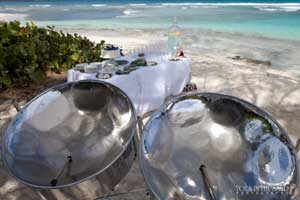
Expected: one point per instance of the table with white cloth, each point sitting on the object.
(147, 87)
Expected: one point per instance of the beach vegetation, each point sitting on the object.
(28, 52)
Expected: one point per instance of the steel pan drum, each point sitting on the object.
(71, 133)
(245, 153)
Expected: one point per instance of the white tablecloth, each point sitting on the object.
(149, 86)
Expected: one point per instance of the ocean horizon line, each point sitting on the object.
(266, 6)
(267, 17)
(174, 3)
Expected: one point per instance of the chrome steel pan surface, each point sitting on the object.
(70, 133)
(211, 146)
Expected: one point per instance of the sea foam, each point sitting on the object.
(98, 5)
(281, 7)
(138, 4)
(130, 13)
(40, 6)
(287, 7)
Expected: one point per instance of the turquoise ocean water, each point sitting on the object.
(272, 18)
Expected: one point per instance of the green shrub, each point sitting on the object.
(28, 52)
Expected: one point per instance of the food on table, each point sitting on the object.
(121, 52)
(125, 71)
(103, 75)
(111, 51)
(141, 55)
(134, 65)
(106, 67)
(174, 59)
(141, 62)
(151, 63)
(190, 87)
(179, 54)
(122, 62)
(138, 62)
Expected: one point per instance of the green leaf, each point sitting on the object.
(6, 81)
(28, 52)
(75, 56)
(38, 76)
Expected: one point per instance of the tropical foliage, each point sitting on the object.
(28, 52)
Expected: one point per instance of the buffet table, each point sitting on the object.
(147, 87)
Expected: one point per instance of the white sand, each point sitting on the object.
(127, 39)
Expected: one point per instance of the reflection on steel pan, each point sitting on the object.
(70, 134)
(211, 146)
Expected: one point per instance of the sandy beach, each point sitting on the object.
(261, 70)
(264, 71)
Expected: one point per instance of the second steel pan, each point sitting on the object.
(208, 146)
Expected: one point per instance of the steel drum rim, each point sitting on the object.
(179, 97)
(141, 156)
(126, 145)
